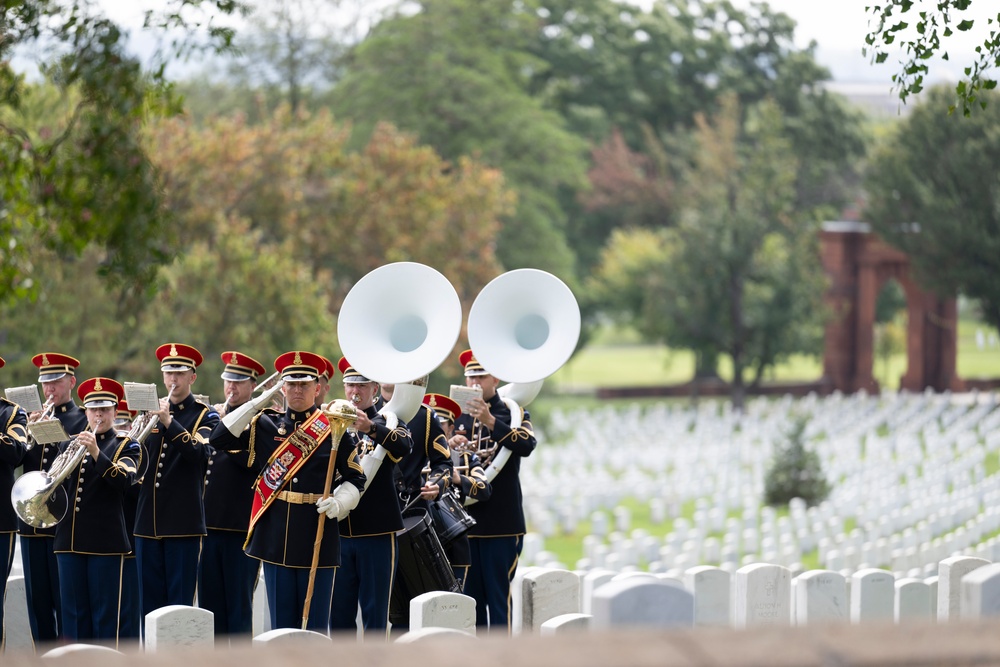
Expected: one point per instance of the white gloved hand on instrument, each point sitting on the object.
(345, 498)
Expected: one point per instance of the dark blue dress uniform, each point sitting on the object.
(474, 485)
(285, 533)
(497, 538)
(170, 518)
(430, 449)
(130, 617)
(41, 572)
(92, 539)
(13, 442)
(226, 575)
(368, 545)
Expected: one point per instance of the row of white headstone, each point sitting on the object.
(908, 476)
(551, 601)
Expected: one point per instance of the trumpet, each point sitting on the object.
(144, 424)
(48, 410)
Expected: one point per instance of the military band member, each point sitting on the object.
(170, 520)
(226, 575)
(498, 536)
(92, 539)
(430, 450)
(292, 453)
(57, 375)
(13, 443)
(368, 544)
(129, 618)
(325, 376)
(468, 478)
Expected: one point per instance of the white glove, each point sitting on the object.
(345, 498)
(329, 506)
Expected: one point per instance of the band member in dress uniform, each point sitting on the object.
(92, 540)
(13, 444)
(292, 454)
(467, 478)
(129, 618)
(170, 520)
(498, 536)
(57, 375)
(368, 544)
(324, 380)
(226, 575)
(430, 450)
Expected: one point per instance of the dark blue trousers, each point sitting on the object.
(130, 618)
(367, 565)
(286, 596)
(494, 560)
(168, 571)
(90, 589)
(226, 580)
(6, 547)
(41, 585)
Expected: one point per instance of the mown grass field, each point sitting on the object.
(616, 358)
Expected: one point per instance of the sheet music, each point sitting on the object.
(48, 430)
(141, 397)
(203, 398)
(26, 397)
(462, 395)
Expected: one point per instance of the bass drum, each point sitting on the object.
(450, 519)
(423, 566)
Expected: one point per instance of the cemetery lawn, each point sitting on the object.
(616, 358)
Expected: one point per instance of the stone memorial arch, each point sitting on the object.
(859, 263)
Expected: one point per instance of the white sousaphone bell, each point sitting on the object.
(523, 327)
(397, 324)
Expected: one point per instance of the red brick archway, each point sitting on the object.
(859, 263)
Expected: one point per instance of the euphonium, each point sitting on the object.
(38, 496)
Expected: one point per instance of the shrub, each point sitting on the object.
(795, 471)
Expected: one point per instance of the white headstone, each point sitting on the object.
(441, 609)
(590, 583)
(179, 625)
(641, 602)
(711, 586)
(283, 636)
(261, 622)
(541, 595)
(762, 596)
(913, 601)
(873, 595)
(565, 624)
(15, 617)
(981, 592)
(72, 652)
(821, 597)
(950, 573)
(433, 634)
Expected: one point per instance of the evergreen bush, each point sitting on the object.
(795, 472)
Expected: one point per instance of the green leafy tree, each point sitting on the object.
(933, 193)
(646, 72)
(738, 274)
(79, 175)
(452, 73)
(795, 471)
(922, 32)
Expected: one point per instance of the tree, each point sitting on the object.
(932, 26)
(452, 73)
(738, 274)
(646, 72)
(81, 176)
(933, 193)
(795, 471)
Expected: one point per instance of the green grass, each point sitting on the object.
(616, 359)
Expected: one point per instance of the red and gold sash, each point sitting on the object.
(286, 461)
